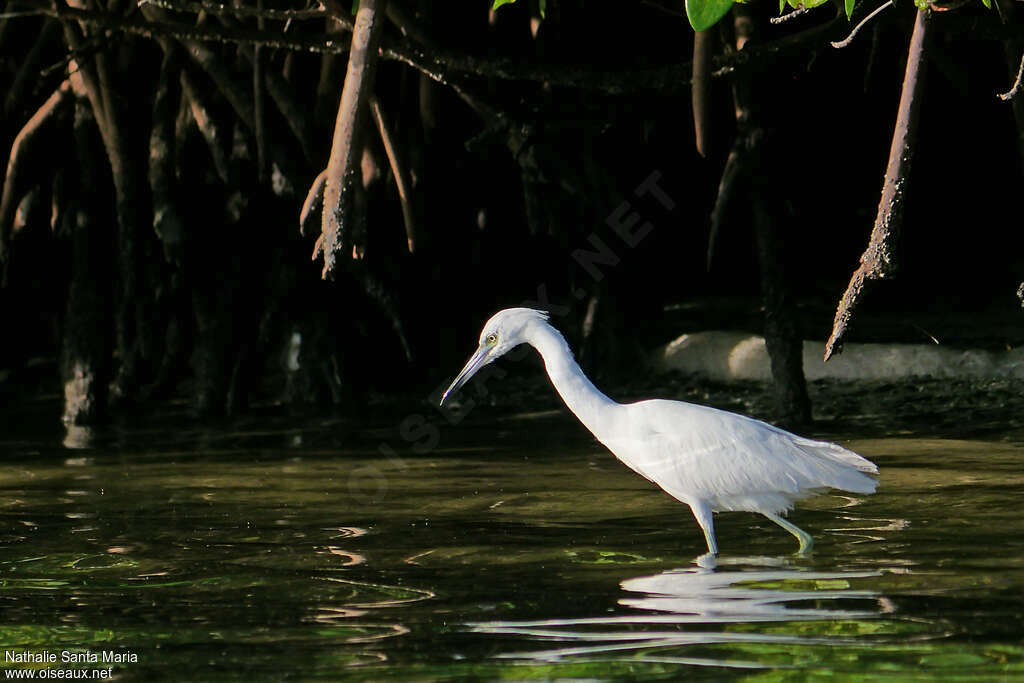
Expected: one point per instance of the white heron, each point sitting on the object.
(712, 460)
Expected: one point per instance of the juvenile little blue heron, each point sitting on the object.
(712, 460)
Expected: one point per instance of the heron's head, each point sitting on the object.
(505, 330)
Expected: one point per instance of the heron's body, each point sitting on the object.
(710, 459)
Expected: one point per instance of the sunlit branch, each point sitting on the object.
(878, 261)
(242, 11)
(346, 147)
(799, 11)
(856, 29)
(1015, 89)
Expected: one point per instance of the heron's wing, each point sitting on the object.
(732, 461)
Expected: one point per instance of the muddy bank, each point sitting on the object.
(970, 406)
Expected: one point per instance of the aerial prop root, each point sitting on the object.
(399, 170)
(14, 180)
(311, 207)
(878, 260)
(1015, 88)
(338, 204)
(703, 43)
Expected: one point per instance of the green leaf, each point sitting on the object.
(782, 6)
(849, 8)
(703, 14)
(987, 4)
(542, 3)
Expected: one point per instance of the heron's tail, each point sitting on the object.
(849, 471)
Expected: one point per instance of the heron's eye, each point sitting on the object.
(492, 339)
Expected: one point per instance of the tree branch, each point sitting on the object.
(242, 11)
(703, 42)
(724, 198)
(14, 183)
(227, 82)
(28, 72)
(398, 169)
(259, 87)
(202, 114)
(1015, 88)
(845, 42)
(878, 261)
(444, 65)
(299, 120)
(345, 147)
(314, 202)
(85, 73)
(167, 220)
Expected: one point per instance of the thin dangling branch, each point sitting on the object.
(14, 182)
(878, 261)
(402, 180)
(1016, 87)
(444, 65)
(259, 65)
(168, 223)
(840, 44)
(298, 119)
(227, 81)
(100, 86)
(240, 10)
(345, 148)
(202, 113)
(703, 42)
(85, 73)
(724, 197)
(1013, 51)
(28, 72)
(310, 207)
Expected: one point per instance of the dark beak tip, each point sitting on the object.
(467, 372)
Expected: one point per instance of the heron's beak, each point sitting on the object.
(479, 359)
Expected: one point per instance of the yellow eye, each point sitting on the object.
(492, 339)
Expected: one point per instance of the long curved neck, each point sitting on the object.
(593, 408)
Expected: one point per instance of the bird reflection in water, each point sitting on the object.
(677, 602)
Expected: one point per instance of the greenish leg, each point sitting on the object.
(702, 513)
(806, 542)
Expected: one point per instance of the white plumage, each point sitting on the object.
(710, 459)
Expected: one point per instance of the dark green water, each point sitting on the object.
(516, 548)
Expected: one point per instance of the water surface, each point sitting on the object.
(513, 548)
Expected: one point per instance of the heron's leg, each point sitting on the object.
(702, 512)
(806, 542)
